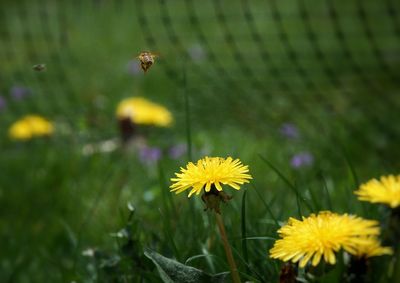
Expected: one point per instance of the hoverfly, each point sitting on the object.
(39, 67)
(146, 59)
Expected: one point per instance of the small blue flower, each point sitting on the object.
(302, 159)
(177, 150)
(289, 131)
(150, 154)
(3, 103)
(19, 92)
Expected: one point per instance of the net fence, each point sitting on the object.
(294, 54)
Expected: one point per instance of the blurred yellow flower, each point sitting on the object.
(386, 191)
(208, 172)
(372, 247)
(30, 126)
(143, 111)
(20, 130)
(324, 234)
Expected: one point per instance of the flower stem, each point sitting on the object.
(392, 236)
(396, 273)
(228, 250)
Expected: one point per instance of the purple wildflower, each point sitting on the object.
(19, 92)
(3, 103)
(177, 150)
(302, 159)
(289, 131)
(133, 67)
(196, 52)
(150, 154)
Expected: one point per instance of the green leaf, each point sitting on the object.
(172, 271)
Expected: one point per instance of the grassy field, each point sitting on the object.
(241, 78)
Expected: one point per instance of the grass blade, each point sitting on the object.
(244, 242)
(290, 185)
(196, 257)
(261, 238)
(187, 117)
(353, 173)
(248, 266)
(266, 206)
(188, 142)
(168, 232)
(165, 192)
(356, 183)
(325, 186)
(167, 222)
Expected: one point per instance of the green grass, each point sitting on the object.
(56, 202)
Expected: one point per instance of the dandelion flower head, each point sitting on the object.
(30, 126)
(210, 172)
(142, 111)
(320, 236)
(372, 247)
(386, 191)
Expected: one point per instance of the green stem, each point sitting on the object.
(187, 118)
(228, 250)
(396, 270)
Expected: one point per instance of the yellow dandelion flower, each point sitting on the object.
(370, 247)
(145, 112)
(39, 125)
(208, 172)
(20, 130)
(386, 191)
(30, 126)
(320, 236)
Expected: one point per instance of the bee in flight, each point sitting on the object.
(146, 59)
(39, 67)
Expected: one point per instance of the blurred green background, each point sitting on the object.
(273, 78)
